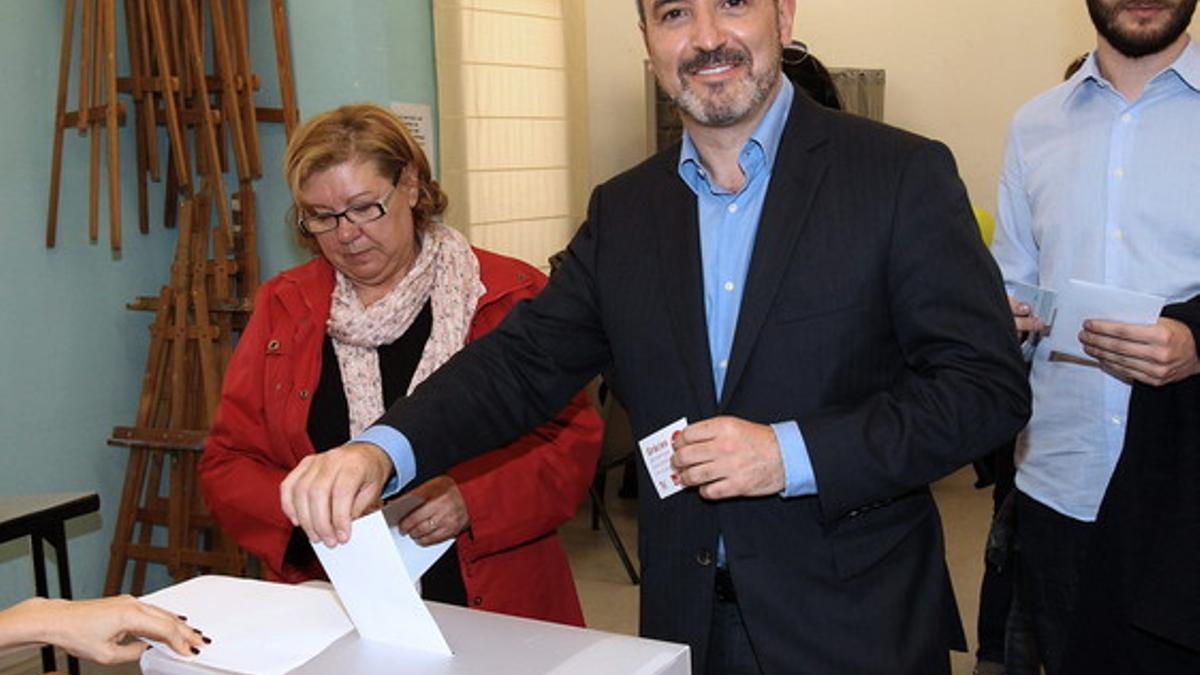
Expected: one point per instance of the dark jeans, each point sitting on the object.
(729, 648)
(1051, 552)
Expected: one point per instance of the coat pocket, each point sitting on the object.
(865, 538)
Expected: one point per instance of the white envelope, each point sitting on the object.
(256, 626)
(374, 574)
(1082, 300)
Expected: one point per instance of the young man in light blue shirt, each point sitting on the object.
(1099, 185)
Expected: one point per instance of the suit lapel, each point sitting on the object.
(800, 166)
(678, 229)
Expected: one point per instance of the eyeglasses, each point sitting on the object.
(359, 214)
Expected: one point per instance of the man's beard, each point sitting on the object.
(1136, 44)
(729, 103)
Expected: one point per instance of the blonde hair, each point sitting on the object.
(360, 133)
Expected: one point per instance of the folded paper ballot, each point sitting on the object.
(375, 575)
(256, 626)
(270, 628)
(1082, 300)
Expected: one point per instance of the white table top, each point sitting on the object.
(489, 643)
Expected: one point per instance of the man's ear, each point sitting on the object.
(787, 18)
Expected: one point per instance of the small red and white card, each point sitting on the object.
(656, 451)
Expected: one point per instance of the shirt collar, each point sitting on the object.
(765, 139)
(1186, 66)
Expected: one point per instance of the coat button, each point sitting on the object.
(303, 394)
(478, 600)
(273, 346)
(704, 557)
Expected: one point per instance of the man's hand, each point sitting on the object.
(442, 516)
(1156, 355)
(327, 491)
(1023, 316)
(729, 457)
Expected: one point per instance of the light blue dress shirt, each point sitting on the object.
(728, 224)
(1100, 189)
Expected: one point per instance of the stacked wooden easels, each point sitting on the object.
(190, 75)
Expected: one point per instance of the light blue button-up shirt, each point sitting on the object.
(1105, 190)
(728, 224)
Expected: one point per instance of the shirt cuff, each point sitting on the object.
(798, 476)
(398, 449)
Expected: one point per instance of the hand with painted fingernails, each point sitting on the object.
(106, 631)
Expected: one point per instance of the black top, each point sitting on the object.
(329, 427)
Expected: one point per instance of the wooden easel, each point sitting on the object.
(211, 124)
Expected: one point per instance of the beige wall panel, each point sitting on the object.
(500, 91)
(492, 144)
(542, 8)
(531, 241)
(501, 196)
(486, 37)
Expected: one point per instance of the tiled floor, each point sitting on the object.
(610, 602)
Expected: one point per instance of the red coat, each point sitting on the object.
(510, 557)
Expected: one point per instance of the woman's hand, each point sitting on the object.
(104, 631)
(443, 515)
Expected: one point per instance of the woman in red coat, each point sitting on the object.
(331, 343)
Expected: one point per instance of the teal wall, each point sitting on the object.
(71, 356)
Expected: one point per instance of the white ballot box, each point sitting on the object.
(484, 642)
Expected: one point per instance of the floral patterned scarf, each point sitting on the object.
(446, 271)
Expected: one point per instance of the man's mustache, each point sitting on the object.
(716, 57)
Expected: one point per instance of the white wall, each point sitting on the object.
(957, 70)
(616, 100)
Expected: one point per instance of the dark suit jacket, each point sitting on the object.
(872, 314)
(1139, 598)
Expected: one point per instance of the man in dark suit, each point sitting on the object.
(870, 353)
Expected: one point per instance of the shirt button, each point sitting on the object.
(1116, 420)
(1127, 118)
(723, 364)
(1118, 235)
(729, 285)
(733, 208)
(1119, 173)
